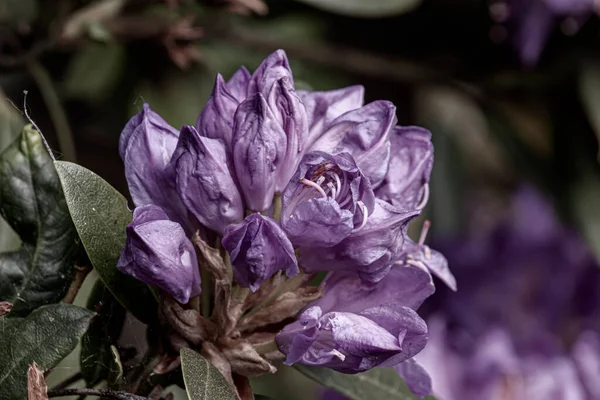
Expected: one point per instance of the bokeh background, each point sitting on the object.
(511, 97)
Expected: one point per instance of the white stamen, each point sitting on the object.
(314, 185)
(424, 231)
(417, 264)
(320, 180)
(365, 216)
(346, 201)
(338, 183)
(425, 198)
(337, 354)
(332, 190)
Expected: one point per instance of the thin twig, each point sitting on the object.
(57, 113)
(68, 382)
(80, 275)
(113, 394)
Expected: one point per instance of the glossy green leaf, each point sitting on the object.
(365, 8)
(100, 215)
(96, 355)
(202, 380)
(45, 336)
(33, 204)
(377, 383)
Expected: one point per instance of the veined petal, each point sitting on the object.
(204, 181)
(259, 145)
(216, 119)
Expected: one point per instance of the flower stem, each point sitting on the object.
(277, 205)
(80, 275)
(206, 291)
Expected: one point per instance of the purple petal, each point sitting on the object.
(325, 200)
(259, 145)
(272, 69)
(410, 166)
(586, 354)
(238, 84)
(258, 249)
(319, 222)
(204, 181)
(415, 377)
(369, 251)
(433, 260)
(405, 324)
(405, 286)
(146, 145)
(359, 335)
(158, 252)
(364, 133)
(216, 119)
(290, 112)
(323, 107)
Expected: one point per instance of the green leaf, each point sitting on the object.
(377, 383)
(33, 204)
(46, 336)
(96, 355)
(100, 215)
(202, 380)
(365, 8)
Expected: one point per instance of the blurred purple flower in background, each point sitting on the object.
(532, 22)
(525, 311)
(316, 174)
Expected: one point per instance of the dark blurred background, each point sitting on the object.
(501, 113)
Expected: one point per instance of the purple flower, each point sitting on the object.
(202, 174)
(146, 145)
(533, 21)
(406, 182)
(369, 251)
(357, 326)
(363, 133)
(258, 248)
(324, 107)
(158, 253)
(326, 200)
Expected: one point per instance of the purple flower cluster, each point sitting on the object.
(526, 322)
(287, 181)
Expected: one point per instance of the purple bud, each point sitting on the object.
(258, 248)
(323, 107)
(290, 112)
(216, 119)
(376, 327)
(271, 70)
(146, 145)
(326, 200)
(406, 183)
(259, 145)
(238, 84)
(158, 252)
(202, 171)
(365, 134)
(369, 251)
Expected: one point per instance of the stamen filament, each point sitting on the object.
(314, 185)
(425, 198)
(332, 190)
(365, 213)
(424, 230)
